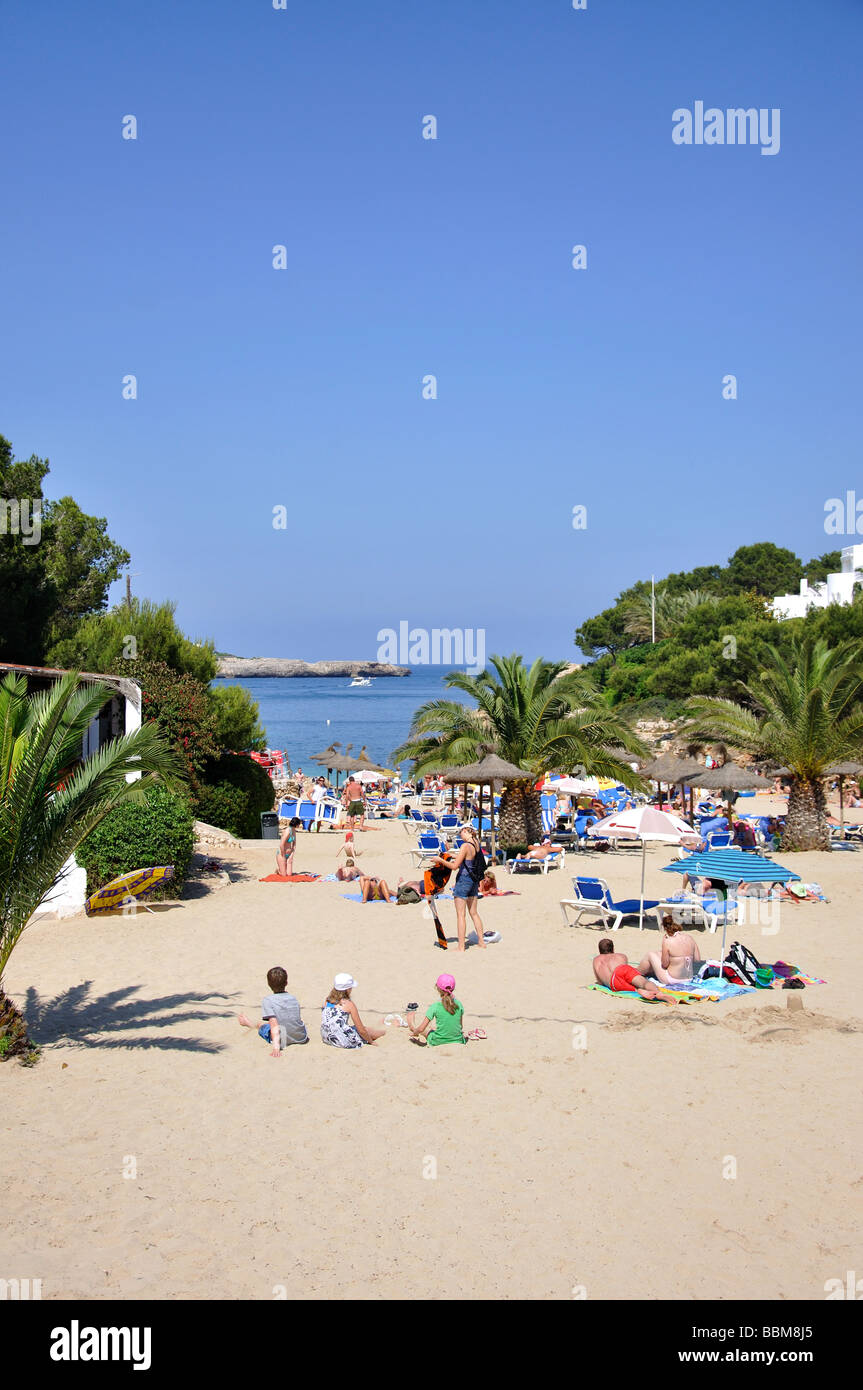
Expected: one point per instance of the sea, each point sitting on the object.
(303, 715)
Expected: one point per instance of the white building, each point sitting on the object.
(120, 715)
(839, 588)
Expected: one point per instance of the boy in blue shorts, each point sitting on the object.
(283, 1025)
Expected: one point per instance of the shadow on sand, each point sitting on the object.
(79, 1019)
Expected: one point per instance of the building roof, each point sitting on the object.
(129, 688)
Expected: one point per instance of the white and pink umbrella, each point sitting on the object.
(644, 823)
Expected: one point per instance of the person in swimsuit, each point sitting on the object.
(613, 970)
(287, 845)
(466, 886)
(354, 800)
(341, 1025)
(347, 872)
(678, 960)
(375, 890)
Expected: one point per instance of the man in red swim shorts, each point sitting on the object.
(613, 970)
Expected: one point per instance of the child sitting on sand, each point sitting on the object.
(447, 1015)
(283, 1025)
(341, 1025)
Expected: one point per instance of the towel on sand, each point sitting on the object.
(713, 994)
(291, 878)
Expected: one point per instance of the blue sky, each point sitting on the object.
(556, 387)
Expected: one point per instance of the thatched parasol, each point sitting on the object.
(324, 754)
(336, 762)
(489, 770)
(843, 770)
(670, 769)
(623, 755)
(731, 777)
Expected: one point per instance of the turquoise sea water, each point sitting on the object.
(295, 713)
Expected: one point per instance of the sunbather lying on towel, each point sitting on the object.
(613, 970)
(375, 890)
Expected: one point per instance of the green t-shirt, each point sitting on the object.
(447, 1027)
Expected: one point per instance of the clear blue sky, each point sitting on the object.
(406, 257)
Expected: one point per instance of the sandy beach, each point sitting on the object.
(582, 1150)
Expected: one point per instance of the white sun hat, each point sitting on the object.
(344, 982)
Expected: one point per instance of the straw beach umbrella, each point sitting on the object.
(731, 777)
(843, 770)
(671, 770)
(337, 762)
(489, 770)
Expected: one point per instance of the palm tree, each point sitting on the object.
(542, 718)
(805, 711)
(50, 800)
(670, 611)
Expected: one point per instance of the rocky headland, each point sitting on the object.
(257, 666)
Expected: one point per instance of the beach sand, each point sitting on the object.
(582, 1150)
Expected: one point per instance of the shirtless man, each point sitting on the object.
(613, 970)
(678, 959)
(354, 803)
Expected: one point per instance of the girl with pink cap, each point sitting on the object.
(447, 1015)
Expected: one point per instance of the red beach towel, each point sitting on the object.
(291, 878)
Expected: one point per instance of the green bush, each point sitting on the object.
(228, 808)
(161, 831)
(234, 792)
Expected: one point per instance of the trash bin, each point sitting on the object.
(269, 825)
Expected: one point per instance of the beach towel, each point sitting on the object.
(713, 993)
(358, 898)
(291, 878)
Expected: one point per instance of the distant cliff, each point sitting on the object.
(239, 666)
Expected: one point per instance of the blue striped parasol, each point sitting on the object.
(731, 865)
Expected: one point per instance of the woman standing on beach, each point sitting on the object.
(469, 867)
(285, 856)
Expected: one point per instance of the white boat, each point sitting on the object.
(361, 680)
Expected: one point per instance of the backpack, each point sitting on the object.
(478, 867)
(742, 959)
(406, 894)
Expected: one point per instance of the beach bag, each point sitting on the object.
(732, 973)
(406, 894)
(743, 960)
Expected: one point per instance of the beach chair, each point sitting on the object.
(450, 824)
(551, 861)
(718, 839)
(594, 895)
(427, 847)
(692, 911)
